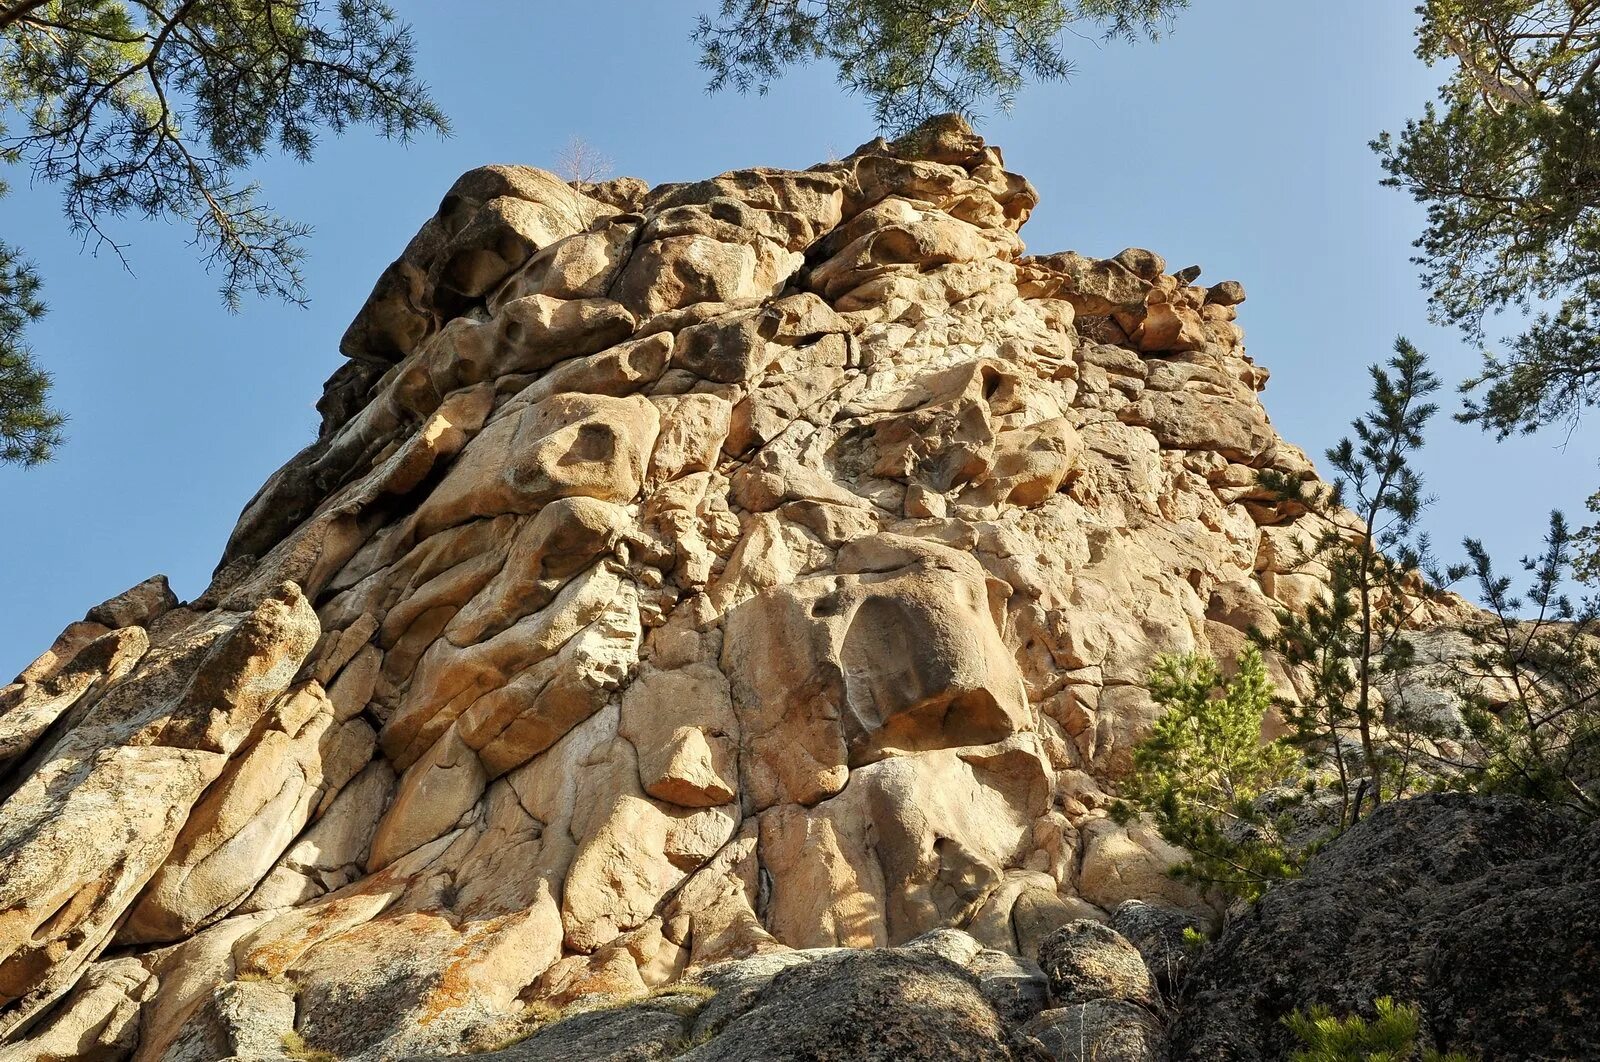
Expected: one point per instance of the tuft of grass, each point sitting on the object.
(541, 1012)
(295, 1046)
(596, 1003)
(699, 1039)
(685, 1000)
(501, 1045)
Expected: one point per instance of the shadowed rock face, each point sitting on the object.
(680, 575)
(1478, 911)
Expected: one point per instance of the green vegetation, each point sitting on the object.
(683, 998)
(541, 1012)
(1507, 163)
(1372, 559)
(154, 109)
(1530, 697)
(295, 1046)
(1203, 768)
(1391, 1036)
(914, 60)
(29, 429)
(1532, 707)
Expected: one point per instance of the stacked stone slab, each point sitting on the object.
(681, 575)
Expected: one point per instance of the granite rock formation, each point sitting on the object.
(681, 575)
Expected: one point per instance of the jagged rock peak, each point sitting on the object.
(681, 575)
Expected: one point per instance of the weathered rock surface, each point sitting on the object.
(1086, 960)
(681, 575)
(1099, 1030)
(1157, 933)
(893, 1004)
(1479, 911)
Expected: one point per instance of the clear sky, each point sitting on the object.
(1237, 143)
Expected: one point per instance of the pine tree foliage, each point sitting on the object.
(1390, 1036)
(154, 108)
(1538, 736)
(1203, 768)
(1373, 560)
(29, 429)
(919, 58)
(1507, 163)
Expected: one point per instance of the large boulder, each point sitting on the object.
(925, 1001)
(642, 1033)
(864, 1006)
(1163, 937)
(1089, 960)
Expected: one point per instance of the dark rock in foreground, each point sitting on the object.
(1480, 911)
(890, 1005)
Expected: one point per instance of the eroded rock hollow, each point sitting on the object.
(681, 574)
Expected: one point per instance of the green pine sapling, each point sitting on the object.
(1372, 558)
(1203, 769)
(1532, 705)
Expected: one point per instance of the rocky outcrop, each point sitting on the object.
(1103, 1001)
(941, 996)
(680, 576)
(1478, 911)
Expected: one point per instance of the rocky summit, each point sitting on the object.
(689, 588)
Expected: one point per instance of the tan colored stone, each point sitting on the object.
(564, 539)
(679, 271)
(629, 850)
(506, 230)
(526, 335)
(99, 1021)
(28, 708)
(63, 884)
(564, 446)
(138, 606)
(531, 712)
(333, 852)
(684, 729)
(83, 833)
(66, 646)
(904, 655)
(1030, 464)
(581, 266)
(693, 428)
(433, 795)
(1132, 862)
(249, 816)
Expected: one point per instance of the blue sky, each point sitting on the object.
(1237, 143)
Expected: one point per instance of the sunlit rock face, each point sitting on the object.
(681, 574)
